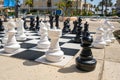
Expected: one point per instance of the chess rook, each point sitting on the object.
(54, 54)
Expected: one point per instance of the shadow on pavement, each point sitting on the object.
(30, 63)
(70, 69)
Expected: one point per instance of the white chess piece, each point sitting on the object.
(48, 25)
(111, 36)
(54, 54)
(20, 30)
(44, 42)
(5, 38)
(99, 41)
(12, 45)
(107, 33)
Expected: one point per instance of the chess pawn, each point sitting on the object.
(107, 33)
(11, 46)
(44, 42)
(54, 54)
(85, 61)
(20, 30)
(99, 41)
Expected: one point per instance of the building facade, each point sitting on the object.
(118, 4)
(43, 4)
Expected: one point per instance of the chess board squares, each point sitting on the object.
(27, 45)
(28, 55)
(71, 45)
(68, 36)
(32, 41)
(2, 34)
(33, 37)
(2, 52)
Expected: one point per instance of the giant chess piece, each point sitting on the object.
(20, 30)
(79, 20)
(66, 27)
(44, 42)
(74, 31)
(99, 42)
(25, 25)
(5, 38)
(54, 54)
(111, 36)
(85, 61)
(32, 23)
(57, 21)
(37, 23)
(107, 33)
(12, 45)
(1, 25)
(48, 25)
(51, 17)
(78, 37)
(86, 26)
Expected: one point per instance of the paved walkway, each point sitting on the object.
(108, 66)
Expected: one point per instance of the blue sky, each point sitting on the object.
(97, 1)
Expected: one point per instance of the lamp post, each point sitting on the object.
(16, 8)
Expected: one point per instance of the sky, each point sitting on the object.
(95, 2)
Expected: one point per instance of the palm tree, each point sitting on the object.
(102, 4)
(29, 3)
(65, 5)
(85, 5)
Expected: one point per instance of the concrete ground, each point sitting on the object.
(108, 65)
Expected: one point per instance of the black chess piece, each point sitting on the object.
(25, 25)
(51, 17)
(74, 31)
(37, 23)
(1, 25)
(57, 21)
(79, 20)
(66, 27)
(32, 23)
(78, 37)
(86, 26)
(85, 61)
